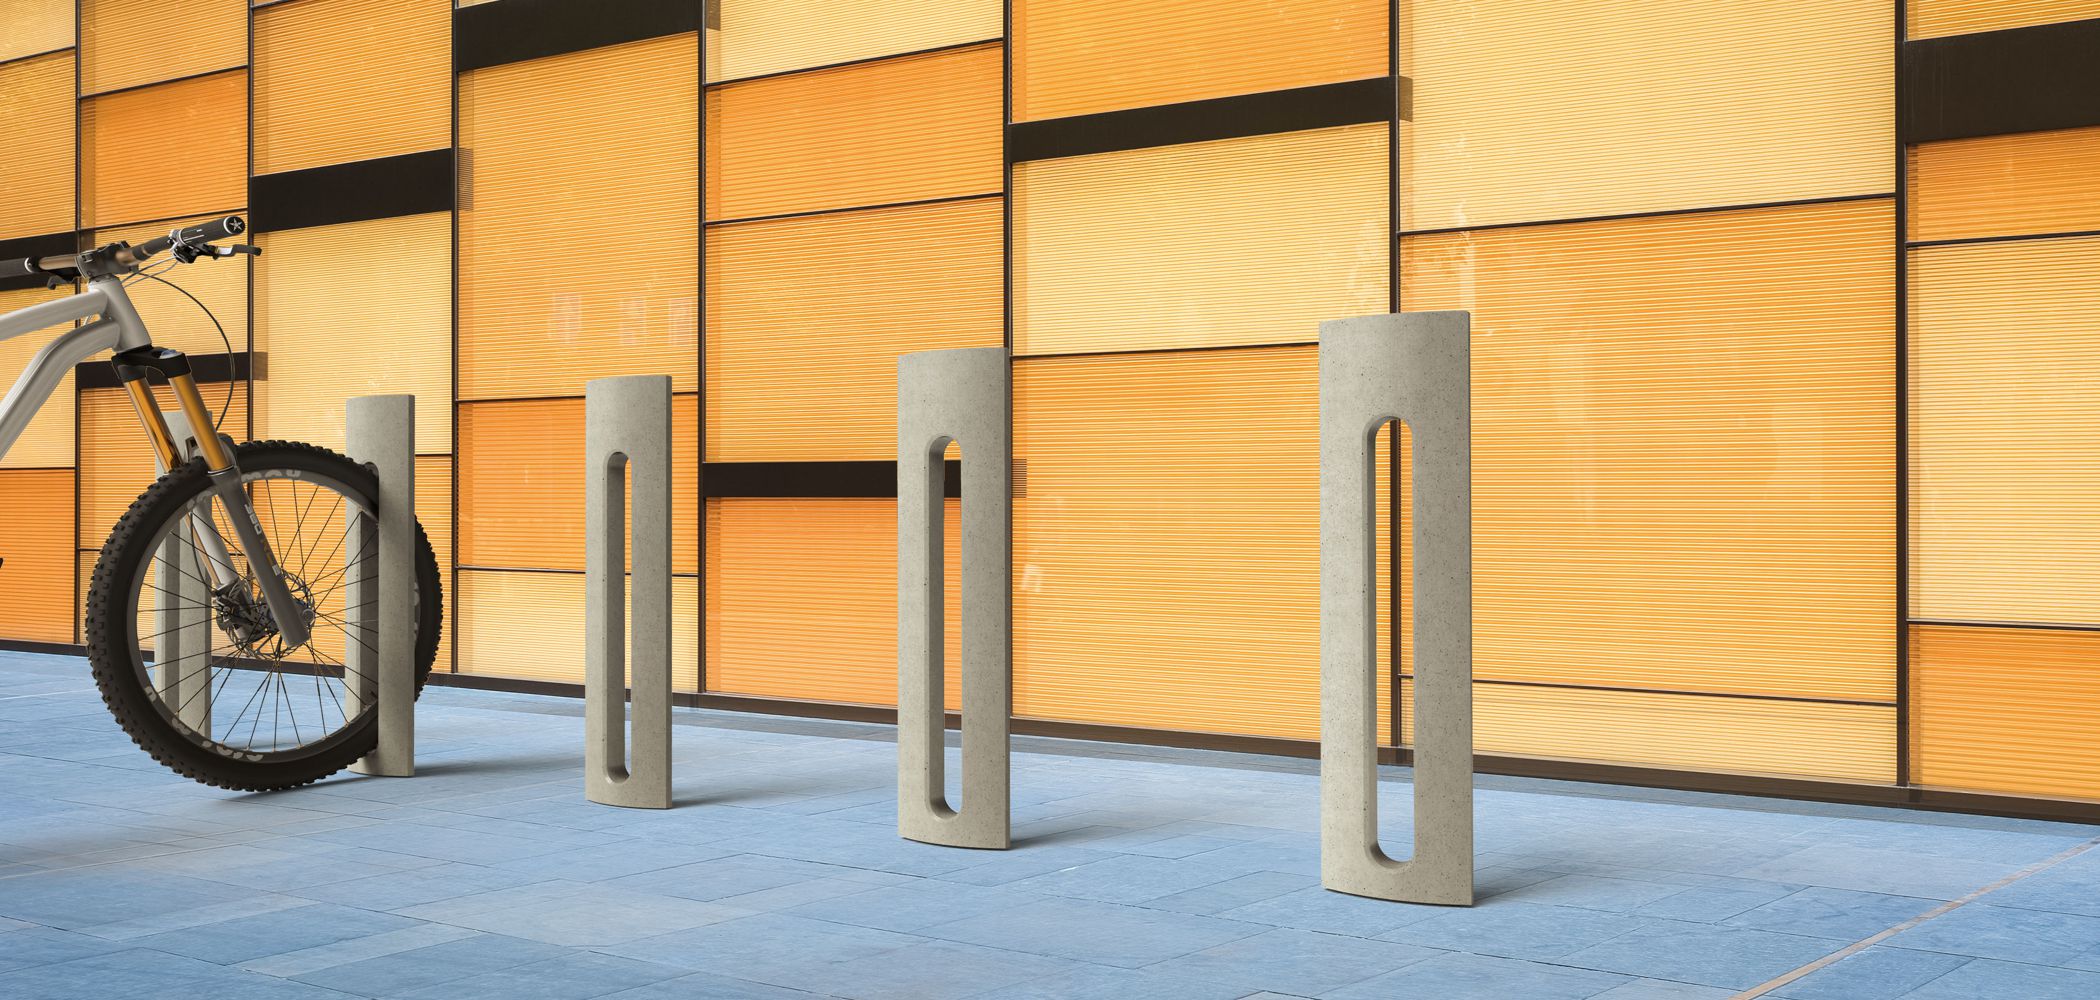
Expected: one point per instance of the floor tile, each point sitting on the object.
(1509, 929)
(136, 972)
(32, 945)
(1218, 897)
(1107, 983)
(1985, 978)
(574, 976)
(1090, 931)
(1123, 879)
(1892, 872)
(766, 947)
(1477, 977)
(1980, 930)
(1295, 961)
(1318, 909)
(577, 914)
(1703, 954)
(1874, 974)
(227, 942)
(1839, 914)
(416, 968)
(934, 970)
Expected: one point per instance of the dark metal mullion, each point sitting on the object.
(1629, 689)
(847, 209)
(185, 78)
(709, 21)
(1902, 233)
(2013, 238)
(1655, 214)
(2030, 626)
(452, 606)
(848, 63)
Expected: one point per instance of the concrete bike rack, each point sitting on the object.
(182, 627)
(379, 661)
(964, 396)
(627, 442)
(1415, 368)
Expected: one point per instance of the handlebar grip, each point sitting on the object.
(203, 232)
(22, 268)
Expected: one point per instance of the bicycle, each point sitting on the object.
(244, 545)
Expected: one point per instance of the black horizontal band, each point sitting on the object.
(1355, 102)
(47, 245)
(1999, 82)
(384, 188)
(508, 31)
(205, 368)
(819, 480)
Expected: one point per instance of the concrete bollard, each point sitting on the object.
(966, 396)
(182, 611)
(1416, 368)
(627, 442)
(380, 581)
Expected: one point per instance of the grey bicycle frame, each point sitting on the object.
(119, 328)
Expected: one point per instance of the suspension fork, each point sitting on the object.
(132, 368)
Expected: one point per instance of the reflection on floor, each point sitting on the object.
(1140, 873)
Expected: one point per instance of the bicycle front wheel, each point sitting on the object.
(182, 643)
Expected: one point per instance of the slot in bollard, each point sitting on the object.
(379, 579)
(182, 626)
(965, 396)
(1415, 368)
(627, 450)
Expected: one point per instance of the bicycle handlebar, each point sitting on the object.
(191, 236)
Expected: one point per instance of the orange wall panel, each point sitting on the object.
(37, 600)
(530, 625)
(808, 315)
(2006, 710)
(116, 459)
(48, 441)
(762, 37)
(1932, 18)
(1074, 57)
(28, 27)
(802, 599)
(521, 484)
(2006, 185)
(344, 80)
(175, 321)
(205, 117)
(36, 175)
(578, 220)
(1685, 456)
(897, 130)
(125, 43)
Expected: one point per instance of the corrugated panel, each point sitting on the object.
(1166, 541)
(36, 175)
(1239, 241)
(205, 117)
(28, 27)
(578, 224)
(530, 625)
(48, 441)
(2006, 710)
(802, 599)
(116, 459)
(1684, 449)
(175, 321)
(2006, 185)
(1690, 732)
(434, 512)
(325, 336)
(1931, 18)
(343, 80)
(806, 318)
(773, 36)
(1639, 106)
(125, 43)
(36, 582)
(2004, 406)
(878, 133)
(1074, 57)
(521, 484)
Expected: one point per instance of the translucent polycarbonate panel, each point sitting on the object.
(1075, 57)
(344, 80)
(1167, 540)
(116, 457)
(521, 484)
(1795, 739)
(530, 625)
(122, 134)
(1626, 106)
(1931, 18)
(36, 175)
(802, 599)
(325, 335)
(37, 600)
(434, 513)
(221, 286)
(1684, 448)
(125, 43)
(878, 133)
(2005, 710)
(2006, 185)
(2004, 461)
(1239, 241)
(28, 27)
(48, 441)
(759, 37)
(579, 220)
(807, 316)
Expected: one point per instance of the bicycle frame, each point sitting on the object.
(120, 329)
